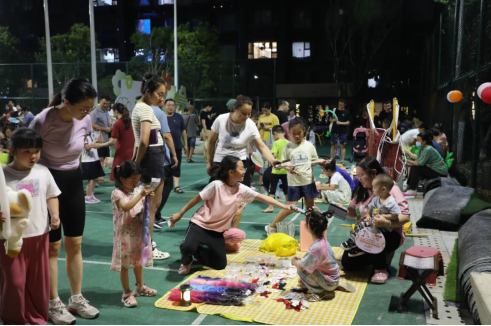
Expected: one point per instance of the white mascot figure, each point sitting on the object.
(15, 207)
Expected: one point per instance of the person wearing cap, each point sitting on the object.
(230, 104)
(266, 122)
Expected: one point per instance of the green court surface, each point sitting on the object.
(103, 289)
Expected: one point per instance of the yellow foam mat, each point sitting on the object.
(339, 311)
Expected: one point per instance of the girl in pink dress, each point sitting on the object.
(128, 202)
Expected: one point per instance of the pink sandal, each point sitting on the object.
(144, 291)
(129, 300)
(380, 276)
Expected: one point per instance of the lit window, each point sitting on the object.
(263, 50)
(109, 55)
(301, 49)
(166, 2)
(98, 3)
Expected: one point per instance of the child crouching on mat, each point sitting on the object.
(223, 197)
(128, 203)
(384, 203)
(318, 269)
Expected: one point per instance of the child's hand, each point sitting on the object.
(3, 219)
(294, 260)
(240, 209)
(55, 222)
(174, 218)
(293, 171)
(146, 191)
(152, 194)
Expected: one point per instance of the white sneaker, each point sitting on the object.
(82, 308)
(160, 255)
(410, 193)
(59, 315)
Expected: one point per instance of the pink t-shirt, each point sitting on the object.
(321, 257)
(398, 196)
(63, 142)
(221, 204)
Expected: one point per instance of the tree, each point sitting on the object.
(9, 52)
(70, 50)
(356, 32)
(195, 46)
(153, 46)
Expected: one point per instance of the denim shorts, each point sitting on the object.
(191, 142)
(342, 139)
(297, 192)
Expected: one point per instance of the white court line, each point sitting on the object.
(198, 320)
(207, 178)
(106, 263)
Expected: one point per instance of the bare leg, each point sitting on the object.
(333, 150)
(54, 251)
(191, 152)
(176, 182)
(283, 214)
(343, 152)
(90, 188)
(125, 280)
(74, 264)
(138, 276)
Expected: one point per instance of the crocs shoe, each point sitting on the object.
(380, 276)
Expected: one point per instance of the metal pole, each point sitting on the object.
(450, 106)
(176, 77)
(477, 121)
(92, 45)
(440, 48)
(48, 50)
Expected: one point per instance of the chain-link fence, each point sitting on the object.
(458, 57)
(215, 80)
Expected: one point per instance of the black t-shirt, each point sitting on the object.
(383, 115)
(282, 116)
(343, 116)
(203, 115)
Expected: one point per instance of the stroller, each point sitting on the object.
(360, 144)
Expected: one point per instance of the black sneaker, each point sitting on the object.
(355, 252)
(348, 245)
(157, 226)
(162, 221)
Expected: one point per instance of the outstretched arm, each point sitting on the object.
(271, 201)
(176, 217)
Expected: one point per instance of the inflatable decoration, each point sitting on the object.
(454, 96)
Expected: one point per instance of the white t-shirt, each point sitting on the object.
(336, 177)
(40, 183)
(408, 136)
(91, 155)
(221, 204)
(297, 154)
(143, 112)
(233, 139)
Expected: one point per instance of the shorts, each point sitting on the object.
(342, 139)
(103, 152)
(153, 164)
(275, 179)
(191, 142)
(295, 193)
(176, 172)
(72, 204)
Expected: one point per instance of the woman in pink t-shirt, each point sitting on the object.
(366, 170)
(63, 128)
(223, 198)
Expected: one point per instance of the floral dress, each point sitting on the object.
(128, 232)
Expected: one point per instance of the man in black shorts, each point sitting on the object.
(101, 123)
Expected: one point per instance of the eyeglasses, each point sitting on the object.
(161, 95)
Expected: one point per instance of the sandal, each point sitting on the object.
(178, 190)
(185, 269)
(144, 291)
(312, 297)
(268, 211)
(129, 300)
(269, 230)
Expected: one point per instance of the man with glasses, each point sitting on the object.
(178, 132)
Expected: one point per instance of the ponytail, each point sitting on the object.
(317, 221)
(125, 114)
(220, 172)
(55, 100)
(330, 165)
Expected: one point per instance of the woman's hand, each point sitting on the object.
(3, 219)
(95, 145)
(175, 162)
(146, 191)
(55, 222)
(174, 218)
(208, 168)
(274, 162)
(379, 221)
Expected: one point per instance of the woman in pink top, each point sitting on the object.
(223, 198)
(366, 171)
(63, 128)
